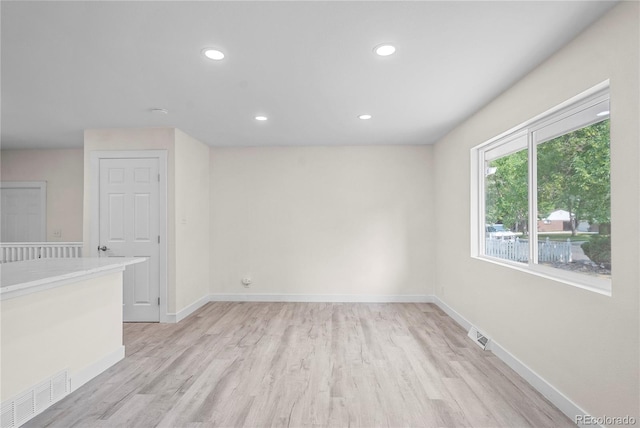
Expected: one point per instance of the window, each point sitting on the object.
(542, 194)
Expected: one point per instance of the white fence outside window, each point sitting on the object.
(518, 250)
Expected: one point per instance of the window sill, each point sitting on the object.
(585, 282)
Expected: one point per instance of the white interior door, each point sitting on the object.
(129, 227)
(23, 211)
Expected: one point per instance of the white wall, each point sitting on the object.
(192, 220)
(322, 220)
(71, 327)
(63, 172)
(583, 343)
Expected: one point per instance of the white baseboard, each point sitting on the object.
(452, 313)
(561, 401)
(76, 380)
(329, 298)
(185, 312)
(168, 318)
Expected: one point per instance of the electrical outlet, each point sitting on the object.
(57, 233)
(246, 281)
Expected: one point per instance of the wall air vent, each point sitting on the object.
(25, 406)
(478, 337)
(8, 416)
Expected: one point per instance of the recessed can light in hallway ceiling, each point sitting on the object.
(261, 118)
(384, 49)
(213, 54)
(365, 117)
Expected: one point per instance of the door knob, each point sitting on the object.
(103, 248)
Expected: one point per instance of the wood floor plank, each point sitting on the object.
(305, 365)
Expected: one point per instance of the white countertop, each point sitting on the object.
(19, 278)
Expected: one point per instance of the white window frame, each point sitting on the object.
(572, 115)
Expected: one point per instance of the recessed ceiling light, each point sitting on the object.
(160, 111)
(261, 118)
(603, 113)
(384, 49)
(213, 54)
(365, 116)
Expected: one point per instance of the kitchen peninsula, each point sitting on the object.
(61, 325)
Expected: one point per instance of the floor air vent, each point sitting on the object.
(478, 338)
(25, 406)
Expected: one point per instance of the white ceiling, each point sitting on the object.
(308, 66)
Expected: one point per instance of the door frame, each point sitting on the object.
(161, 155)
(42, 186)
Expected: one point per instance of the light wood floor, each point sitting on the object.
(305, 364)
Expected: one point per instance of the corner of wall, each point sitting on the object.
(192, 218)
